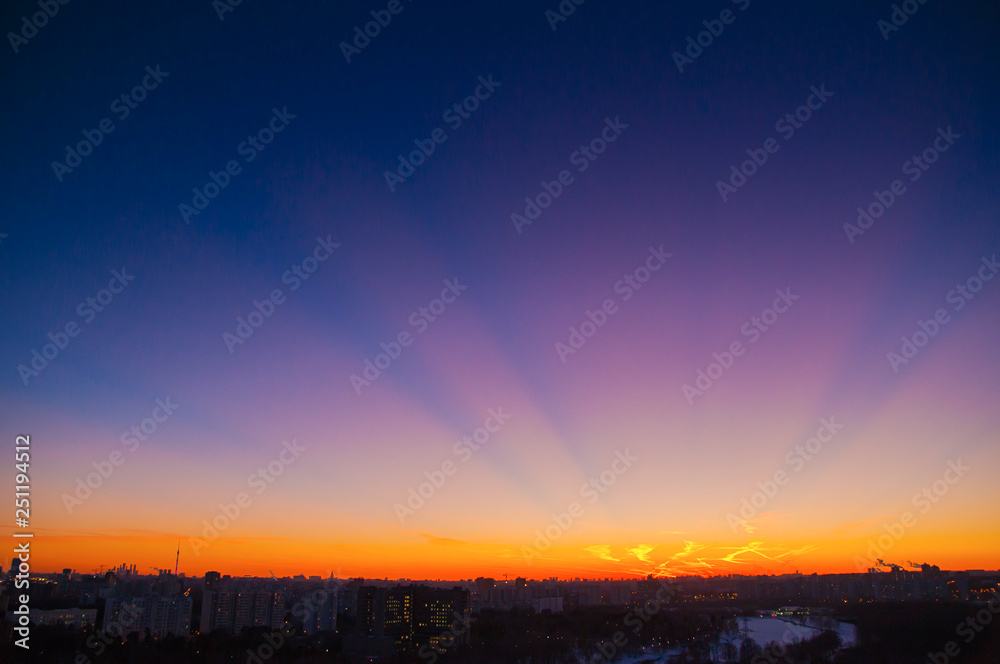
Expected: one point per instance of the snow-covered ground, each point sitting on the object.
(762, 630)
(766, 630)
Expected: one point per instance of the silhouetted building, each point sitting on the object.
(551, 604)
(318, 616)
(233, 609)
(347, 600)
(371, 611)
(79, 618)
(161, 615)
(414, 616)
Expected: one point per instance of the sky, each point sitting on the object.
(536, 289)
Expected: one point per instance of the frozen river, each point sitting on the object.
(763, 631)
(766, 630)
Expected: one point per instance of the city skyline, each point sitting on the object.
(124, 571)
(360, 619)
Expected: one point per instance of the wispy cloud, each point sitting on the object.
(756, 548)
(602, 551)
(641, 551)
(689, 548)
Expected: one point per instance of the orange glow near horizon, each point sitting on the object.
(434, 558)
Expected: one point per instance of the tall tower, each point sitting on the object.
(177, 560)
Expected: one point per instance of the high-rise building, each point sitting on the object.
(161, 615)
(79, 618)
(413, 616)
(484, 586)
(399, 623)
(212, 580)
(233, 609)
(550, 604)
(371, 611)
(347, 600)
(317, 617)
